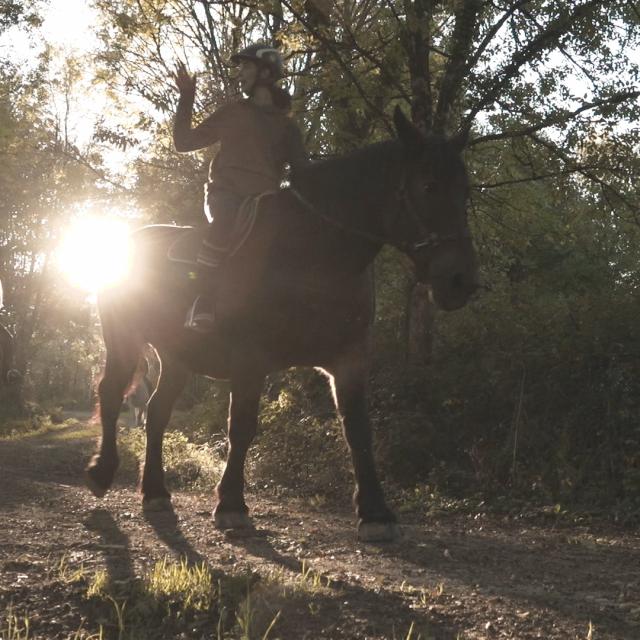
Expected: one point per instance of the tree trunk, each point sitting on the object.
(420, 324)
(29, 321)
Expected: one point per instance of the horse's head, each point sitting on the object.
(432, 228)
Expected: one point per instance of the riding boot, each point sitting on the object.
(201, 316)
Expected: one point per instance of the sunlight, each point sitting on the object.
(94, 253)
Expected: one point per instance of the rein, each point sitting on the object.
(359, 233)
(430, 239)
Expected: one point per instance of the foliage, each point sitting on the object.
(300, 444)
(187, 465)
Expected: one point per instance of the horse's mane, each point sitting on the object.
(363, 172)
(365, 175)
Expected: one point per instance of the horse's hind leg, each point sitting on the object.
(122, 360)
(173, 378)
(375, 521)
(231, 511)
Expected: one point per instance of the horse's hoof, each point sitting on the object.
(378, 532)
(232, 520)
(157, 504)
(97, 490)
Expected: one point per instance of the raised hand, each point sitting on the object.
(185, 82)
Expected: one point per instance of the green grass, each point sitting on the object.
(192, 586)
(312, 580)
(16, 626)
(174, 596)
(25, 429)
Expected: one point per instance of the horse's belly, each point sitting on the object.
(279, 326)
(315, 340)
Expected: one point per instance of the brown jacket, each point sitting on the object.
(255, 144)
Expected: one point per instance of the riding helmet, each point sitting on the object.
(264, 56)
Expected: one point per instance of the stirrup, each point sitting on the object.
(201, 319)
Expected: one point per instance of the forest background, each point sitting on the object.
(530, 393)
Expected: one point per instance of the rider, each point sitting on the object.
(257, 139)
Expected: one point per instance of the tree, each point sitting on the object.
(44, 177)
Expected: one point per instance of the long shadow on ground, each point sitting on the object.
(344, 609)
(532, 572)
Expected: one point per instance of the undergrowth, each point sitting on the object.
(187, 465)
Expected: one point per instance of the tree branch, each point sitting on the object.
(482, 186)
(490, 35)
(549, 38)
(557, 119)
(466, 18)
(606, 187)
(317, 33)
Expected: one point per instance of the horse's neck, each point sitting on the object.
(345, 213)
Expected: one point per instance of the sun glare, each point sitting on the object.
(95, 253)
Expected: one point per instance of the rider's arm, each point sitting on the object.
(187, 139)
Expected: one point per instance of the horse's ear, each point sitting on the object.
(410, 136)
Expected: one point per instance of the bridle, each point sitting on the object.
(430, 240)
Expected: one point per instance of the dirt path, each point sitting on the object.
(449, 576)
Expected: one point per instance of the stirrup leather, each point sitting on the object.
(199, 319)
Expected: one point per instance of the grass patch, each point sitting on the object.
(65, 572)
(176, 598)
(16, 626)
(25, 428)
(82, 430)
(191, 585)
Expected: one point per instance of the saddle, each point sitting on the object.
(185, 248)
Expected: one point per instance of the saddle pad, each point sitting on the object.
(185, 248)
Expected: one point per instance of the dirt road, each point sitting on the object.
(449, 577)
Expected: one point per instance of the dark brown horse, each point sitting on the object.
(298, 292)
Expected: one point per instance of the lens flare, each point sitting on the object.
(95, 253)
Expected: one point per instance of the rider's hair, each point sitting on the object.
(281, 98)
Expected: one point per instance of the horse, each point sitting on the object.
(297, 292)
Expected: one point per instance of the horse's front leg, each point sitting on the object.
(231, 511)
(376, 522)
(173, 378)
